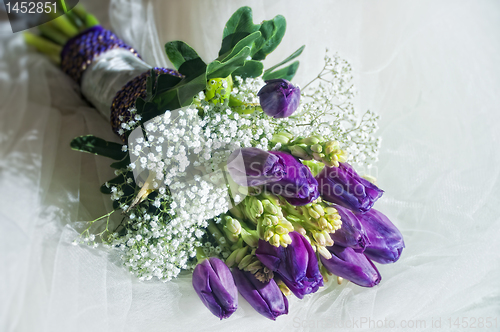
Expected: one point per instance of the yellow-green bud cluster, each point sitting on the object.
(265, 212)
(311, 148)
(247, 261)
(218, 90)
(315, 221)
(231, 228)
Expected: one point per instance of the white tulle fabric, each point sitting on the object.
(429, 68)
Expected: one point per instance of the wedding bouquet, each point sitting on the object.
(228, 169)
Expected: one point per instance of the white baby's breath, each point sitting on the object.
(186, 149)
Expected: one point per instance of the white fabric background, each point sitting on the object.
(429, 68)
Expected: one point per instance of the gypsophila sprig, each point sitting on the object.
(328, 102)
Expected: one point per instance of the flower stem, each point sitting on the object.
(88, 19)
(64, 25)
(45, 46)
(53, 34)
(217, 235)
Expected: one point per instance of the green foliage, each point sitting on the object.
(179, 52)
(286, 73)
(98, 146)
(272, 33)
(251, 68)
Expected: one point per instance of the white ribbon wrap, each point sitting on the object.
(108, 74)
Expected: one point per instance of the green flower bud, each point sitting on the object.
(316, 148)
(297, 151)
(240, 254)
(233, 225)
(268, 234)
(313, 213)
(311, 140)
(250, 237)
(320, 238)
(287, 225)
(257, 206)
(323, 252)
(277, 138)
(269, 207)
(275, 240)
(280, 230)
(285, 240)
(245, 261)
(231, 260)
(274, 220)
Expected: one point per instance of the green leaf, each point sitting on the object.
(217, 69)
(139, 105)
(180, 95)
(251, 68)
(193, 68)
(248, 41)
(290, 58)
(98, 146)
(122, 163)
(240, 21)
(230, 41)
(286, 73)
(179, 52)
(166, 81)
(272, 32)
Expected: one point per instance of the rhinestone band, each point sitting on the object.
(81, 50)
(126, 97)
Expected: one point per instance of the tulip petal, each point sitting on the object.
(386, 241)
(351, 265)
(296, 264)
(298, 186)
(352, 233)
(343, 186)
(215, 286)
(265, 297)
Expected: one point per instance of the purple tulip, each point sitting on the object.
(214, 284)
(296, 264)
(351, 265)
(280, 172)
(265, 297)
(254, 167)
(343, 186)
(351, 234)
(298, 186)
(279, 98)
(386, 241)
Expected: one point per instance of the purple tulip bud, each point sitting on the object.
(254, 167)
(298, 186)
(386, 241)
(351, 265)
(343, 186)
(351, 234)
(279, 98)
(265, 297)
(296, 264)
(280, 172)
(214, 284)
